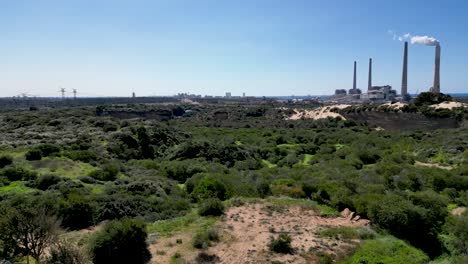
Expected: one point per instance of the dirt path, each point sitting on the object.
(433, 165)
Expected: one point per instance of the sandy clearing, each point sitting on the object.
(458, 211)
(449, 105)
(247, 231)
(319, 113)
(163, 248)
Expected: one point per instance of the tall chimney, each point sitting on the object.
(369, 85)
(404, 79)
(436, 86)
(354, 78)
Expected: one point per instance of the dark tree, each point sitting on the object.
(144, 140)
(120, 242)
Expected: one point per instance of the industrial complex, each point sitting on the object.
(385, 92)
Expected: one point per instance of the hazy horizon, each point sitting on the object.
(271, 48)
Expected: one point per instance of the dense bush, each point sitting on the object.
(5, 161)
(282, 244)
(76, 212)
(15, 173)
(429, 98)
(211, 206)
(33, 154)
(387, 250)
(43, 182)
(48, 149)
(455, 235)
(120, 242)
(108, 172)
(210, 187)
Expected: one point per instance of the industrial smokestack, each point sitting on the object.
(404, 79)
(354, 78)
(369, 84)
(436, 86)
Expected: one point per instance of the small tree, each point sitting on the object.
(30, 230)
(120, 242)
(64, 252)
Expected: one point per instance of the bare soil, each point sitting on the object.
(247, 230)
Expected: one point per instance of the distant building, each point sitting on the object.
(340, 92)
(354, 91)
(384, 92)
(228, 95)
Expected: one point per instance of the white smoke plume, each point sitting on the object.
(421, 40)
(424, 40)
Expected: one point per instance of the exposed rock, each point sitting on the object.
(345, 212)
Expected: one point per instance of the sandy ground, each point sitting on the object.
(433, 165)
(319, 113)
(458, 210)
(449, 105)
(247, 230)
(250, 228)
(397, 105)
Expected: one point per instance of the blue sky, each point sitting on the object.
(260, 47)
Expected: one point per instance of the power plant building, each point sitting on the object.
(385, 92)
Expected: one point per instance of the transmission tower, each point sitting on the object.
(62, 91)
(74, 94)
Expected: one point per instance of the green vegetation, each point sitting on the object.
(86, 166)
(348, 233)
(387, 250)
(211, 206)
(120, 242)
(204, 238)
(179, 224)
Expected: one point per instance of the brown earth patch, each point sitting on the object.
(246, 231)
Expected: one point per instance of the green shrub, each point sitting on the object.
(120, 242)
(33, 154)
(388, 250)
(77, 212)
(212, 206)
(15, 173)
(204, 257)
(203, 238)
(282, 244)
(455, 235)
(210, 187)
(107, 173)
(48, 149)
(5, 161)
(45, 181)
